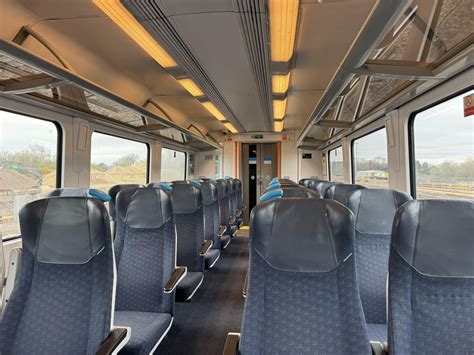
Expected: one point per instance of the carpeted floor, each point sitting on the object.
(201, 325)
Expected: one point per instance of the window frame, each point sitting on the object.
(353, 170)
(411, 135)
(148, 150)
(329, 160)
(185, 159)
(59, 153)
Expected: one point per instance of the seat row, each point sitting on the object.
(319, 270)
(83, 289)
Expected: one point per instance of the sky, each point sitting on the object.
(108, 149)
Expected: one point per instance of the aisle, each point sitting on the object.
(201, 326)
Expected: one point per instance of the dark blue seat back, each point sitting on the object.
(302, 295)
(113, 192)
(145, 243)
(223, 198)
(239, 194)
(374, 210)
(321, 186)
(431, 285)
(210, 207)
(189, 219)
(62, 300)
(232, 196)
(341, 192)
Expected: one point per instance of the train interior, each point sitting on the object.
(237, 177)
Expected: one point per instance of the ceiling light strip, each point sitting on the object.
(191, 87)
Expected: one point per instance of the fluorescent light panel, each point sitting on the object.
(191, 87)
(280, 83)
(283, 20)
(230, 127)
(278, 126)
(120, 15)
(214, 110)
(279, 109)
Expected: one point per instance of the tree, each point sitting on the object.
(127, 160)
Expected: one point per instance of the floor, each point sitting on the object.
(201, 325)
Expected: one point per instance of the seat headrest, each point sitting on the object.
(65, 230)
(271, 195)
(78, 192)
(436, 237)
(287, 181)
(238, 185)
(209, 193)
(341, 192)
(144, 207)
(222, 188)
(180, 182)
(113, 192)
(374, 209)
(187, 198)
(301, 192)
(303, 235)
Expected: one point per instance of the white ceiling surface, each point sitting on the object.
(326, 32)
(103, 53)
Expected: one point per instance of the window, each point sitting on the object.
(369, 159)
(173, 165)
(442, 151)
(336, 169)
(29, 158)
(117, 160)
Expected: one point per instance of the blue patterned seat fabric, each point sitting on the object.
(62, 300)
(302, 296)
(145, 255)
(189, 218)
(209, 198)
(113, 192)
(374, 210)
(224, 204)
(431, 285)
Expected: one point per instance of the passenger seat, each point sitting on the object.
(341, 192)
(211, 228)
(321, 186)
(147, 275)
(374, 210)
(431, 280)
(302, 295)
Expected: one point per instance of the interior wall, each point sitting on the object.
(206, 164)
(228, 159)
(289, 160)
(310, 167)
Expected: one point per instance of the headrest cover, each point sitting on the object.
(222, 188)
(301, 192)
(186, 198)
(178, 182)
(436, 237)
(271, 195)
(272, 186)
(209, 193)
(144, 207)
(65, 230)
(165, 186)
(73, 192)
(113, 192)
(303, 235)
(196, 182)
(341, 192)
(374, 209)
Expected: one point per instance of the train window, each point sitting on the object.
(117, 160)
(369, 159)
(336, 170)
(442, 154)
(173, 165)
(30, 151)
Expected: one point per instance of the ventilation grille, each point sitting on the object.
(154, 19)
(254, 24)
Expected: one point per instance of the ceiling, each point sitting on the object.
(215, 51)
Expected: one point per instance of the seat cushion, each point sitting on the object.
(377, 332)
(186, 288)
(225, 239)
(211, 257)
(147, 329)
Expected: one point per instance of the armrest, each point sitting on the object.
(178, 274)
(231, 346)
(222, 230)
(378, 348)
(14, 265)
(231, 220)
(205, 247)
(116, 340)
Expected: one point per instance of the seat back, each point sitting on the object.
(431, 280)
(374, 210)
(239, 194)
(210, 207)
(62, 300)
(232, 196)
(302, 295)
(341, 192)
(80, 192)
(321, 186)
(113, 192)
(145, 242)
(223, 198)
(189, 219)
